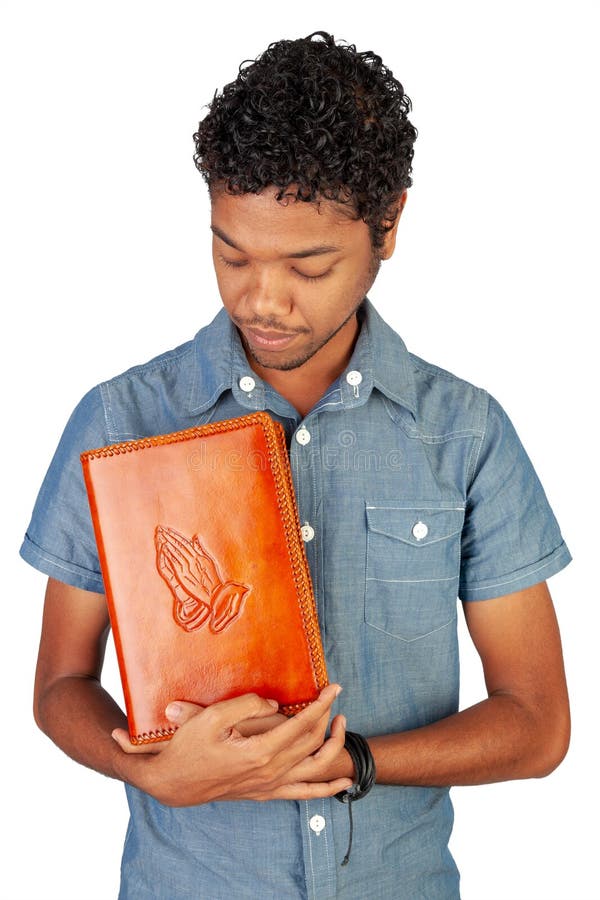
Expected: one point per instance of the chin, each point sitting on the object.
(282, 365)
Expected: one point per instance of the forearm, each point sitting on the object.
(496, 740)
(208, 758)
(79, 716)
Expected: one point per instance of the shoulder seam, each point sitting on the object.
(425, 366)
(475, 453)
(164, 360)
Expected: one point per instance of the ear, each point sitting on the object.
(389, 241)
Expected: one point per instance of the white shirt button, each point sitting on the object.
(354, 378)
(420, 531)
(317, 823)
(247, 383)
(308, 532)
(303, 435)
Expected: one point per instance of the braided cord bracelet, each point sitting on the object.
(364, 766)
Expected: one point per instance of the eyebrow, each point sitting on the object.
(319, 250)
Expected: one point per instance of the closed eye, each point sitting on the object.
(312, 277)
(231, 264)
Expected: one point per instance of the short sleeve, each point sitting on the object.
(60, 538)
(511, 539)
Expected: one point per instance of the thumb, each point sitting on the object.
(121, 737)
(181, 711)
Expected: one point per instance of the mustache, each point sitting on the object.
(267, 325)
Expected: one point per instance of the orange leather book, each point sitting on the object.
(206, 577)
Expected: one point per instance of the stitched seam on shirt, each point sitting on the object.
(62, 564)
(448, 436)
(213, 399)
(331, 393)
(153, 366)
(316, 497)
(417, 434)
(412, 580)
(329, 867)
(405, 403)
(310, 856)
(421, 508)
(470, 473)
(414, 543)
(331, 403)
(109, 422)
(432, 369)
(408, 640)
(486, 587)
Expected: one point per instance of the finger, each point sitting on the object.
(306, 790)
(121, 737)
(259, 725)
(181, 711)
(334, 743)
(227, 713)
(338, 729)
(329, 760)
(309, 718)
(302, 735)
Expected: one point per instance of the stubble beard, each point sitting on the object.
(310, 351)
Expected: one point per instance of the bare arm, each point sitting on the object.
(208, 758)
(520, 731)
(69, 704)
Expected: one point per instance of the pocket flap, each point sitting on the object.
(418, 525)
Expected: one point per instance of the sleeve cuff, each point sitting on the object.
(59, 569)
(519, 579)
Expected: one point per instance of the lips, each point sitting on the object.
(274, 340)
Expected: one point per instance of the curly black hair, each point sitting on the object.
(317, 115)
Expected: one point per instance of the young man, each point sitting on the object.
(413, 490)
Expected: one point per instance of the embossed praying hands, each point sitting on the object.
(199, 593)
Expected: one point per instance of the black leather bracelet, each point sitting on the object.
(364, 767)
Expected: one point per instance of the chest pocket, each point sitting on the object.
(413, 566)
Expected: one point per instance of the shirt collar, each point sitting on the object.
(380, 357)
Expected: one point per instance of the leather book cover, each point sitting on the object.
(206, 578)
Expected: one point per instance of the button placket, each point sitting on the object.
(304, 458)
(319, 854)
(308, 532)
(303, 436)
(317, 824)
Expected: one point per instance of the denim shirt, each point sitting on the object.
(414, 491)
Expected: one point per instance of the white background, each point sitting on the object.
(105, 246)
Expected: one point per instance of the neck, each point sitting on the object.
(306, 384)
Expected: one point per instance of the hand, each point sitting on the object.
(209, 758)
(181, 711)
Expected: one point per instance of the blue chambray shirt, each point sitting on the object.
(414, 490)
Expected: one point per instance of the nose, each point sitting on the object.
(268, 295)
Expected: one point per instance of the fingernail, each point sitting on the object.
(173, 711)
(273, 703)
(344, 723)
(338, 690)
(113, 735)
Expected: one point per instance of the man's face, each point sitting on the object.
(290, 276)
